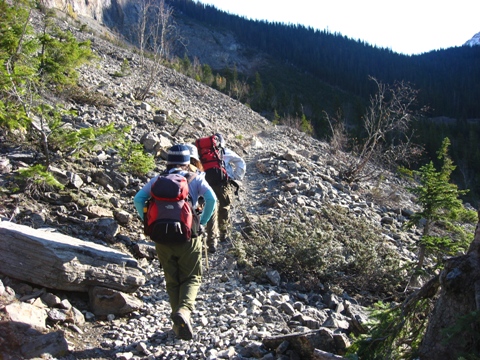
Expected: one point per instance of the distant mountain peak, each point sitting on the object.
(475, 40)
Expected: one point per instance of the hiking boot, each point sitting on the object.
(212, 248)
(181, 324)
(212, 245)
(224, 237)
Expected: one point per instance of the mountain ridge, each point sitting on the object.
(474, 41)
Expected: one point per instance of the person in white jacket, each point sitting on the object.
(234, 165)
(219, 227)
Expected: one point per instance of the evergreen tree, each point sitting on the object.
(439, 200)
(207, 75)
(18, 63)
(32, 63)
(257, 93)
(61, 54)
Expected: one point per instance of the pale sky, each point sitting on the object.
(408, 26)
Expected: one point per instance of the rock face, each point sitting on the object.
(106, 12)
(113, 15)
(219, 49)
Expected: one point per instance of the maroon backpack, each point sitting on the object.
(211, 153)
(170, 217)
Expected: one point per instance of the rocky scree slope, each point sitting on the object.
(287, 171)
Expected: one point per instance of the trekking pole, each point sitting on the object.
(206, 251)
(179, 126)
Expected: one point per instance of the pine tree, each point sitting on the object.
(439, 200)
(61, 54)
(18, 63)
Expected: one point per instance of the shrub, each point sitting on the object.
(84, 28)
(38, 180)
(136, 161)
(85, 96)
(124, 69)
(331, 247)
(61, 55)
(74, 141)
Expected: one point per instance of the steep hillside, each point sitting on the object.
(240, 313)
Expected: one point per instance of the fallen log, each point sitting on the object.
(62, 262)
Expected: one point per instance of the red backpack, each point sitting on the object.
(169, 217)
(211, 153)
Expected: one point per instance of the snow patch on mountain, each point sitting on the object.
(475, 40)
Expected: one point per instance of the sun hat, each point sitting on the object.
(193, 151)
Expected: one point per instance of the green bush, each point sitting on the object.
(124, 69)
(74, 141)
(61, 55)
(136, 161)
(84, 28)
(332, 247)
(38, 180)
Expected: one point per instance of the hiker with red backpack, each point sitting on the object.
(222, 167)
(170, 222)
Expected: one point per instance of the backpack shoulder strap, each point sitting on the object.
(189, 175)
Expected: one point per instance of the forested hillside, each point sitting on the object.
(447, 77)
(311, 72)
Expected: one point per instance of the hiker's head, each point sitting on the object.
(193, 151)
(221, 140)
(194, 158)
(178, 155)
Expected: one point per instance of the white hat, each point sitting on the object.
(193, 151)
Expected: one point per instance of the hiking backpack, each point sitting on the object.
(211, 153)
(169, 217)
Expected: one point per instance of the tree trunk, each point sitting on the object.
(459, 296)
(62, 262)
(422, 249)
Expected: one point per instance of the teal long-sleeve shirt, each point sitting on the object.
(197, 187)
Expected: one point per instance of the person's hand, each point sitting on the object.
(201, 229)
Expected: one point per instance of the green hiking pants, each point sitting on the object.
(182, 266)
(219, 224)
